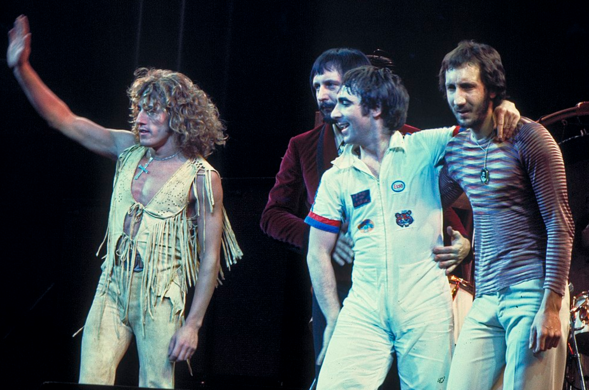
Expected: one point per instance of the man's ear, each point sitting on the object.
(376, 112)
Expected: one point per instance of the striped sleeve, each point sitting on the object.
(543, 161)
(327, 210)
(450, 191)
(321, 223)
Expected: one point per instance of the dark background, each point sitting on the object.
(253, 58)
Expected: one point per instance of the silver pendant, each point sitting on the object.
(485, 176)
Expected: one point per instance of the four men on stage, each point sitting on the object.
(379, 205)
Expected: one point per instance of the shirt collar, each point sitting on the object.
(397, 141)
(338, 137)
(350, 155)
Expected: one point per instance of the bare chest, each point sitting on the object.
(151, 177)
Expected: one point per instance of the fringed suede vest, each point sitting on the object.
(165, 238)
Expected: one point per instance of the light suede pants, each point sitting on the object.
(107, 336)
(495, 336)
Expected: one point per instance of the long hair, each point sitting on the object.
(489, 62)
(193, 117)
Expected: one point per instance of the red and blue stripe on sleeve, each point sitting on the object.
(322, 223)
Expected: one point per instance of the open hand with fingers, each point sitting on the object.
(450, 257)
(19, 43)
(343, 253)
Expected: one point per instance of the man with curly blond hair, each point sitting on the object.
(193, 117)
(166, 223)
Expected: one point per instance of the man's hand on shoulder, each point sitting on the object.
(506, 117)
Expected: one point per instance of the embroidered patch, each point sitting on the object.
(366, 226)
(361, 198)
(398, 186)
(404, 218)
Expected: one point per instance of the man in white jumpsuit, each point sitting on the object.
(386, 185)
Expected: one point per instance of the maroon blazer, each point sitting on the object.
(308, 155)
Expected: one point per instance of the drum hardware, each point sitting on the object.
(578, 110)
(462, 292)
(570, 129)
(582, 133)
(580, 316)
(458, 283)
(579, 325)
(574, 354)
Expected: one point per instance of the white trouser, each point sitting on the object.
(373, 325)
(495, 336)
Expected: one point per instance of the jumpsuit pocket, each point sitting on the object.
(365, 289)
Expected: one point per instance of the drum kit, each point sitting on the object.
(578, 343)
(462, 297)
(570, 129)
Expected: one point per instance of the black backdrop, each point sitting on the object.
(253, 58)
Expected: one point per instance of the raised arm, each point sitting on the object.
(210, 230)
(321, 244)
(94, 137)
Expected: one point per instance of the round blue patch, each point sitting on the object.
(398, 186)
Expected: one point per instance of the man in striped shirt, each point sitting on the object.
(523, 233)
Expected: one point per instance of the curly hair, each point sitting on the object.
(193, 117)
(489, 62)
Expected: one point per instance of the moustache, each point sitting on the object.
(326, 106)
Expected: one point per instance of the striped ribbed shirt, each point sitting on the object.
(523, 224)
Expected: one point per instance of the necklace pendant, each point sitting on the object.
(142, 169)
(485, 176)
